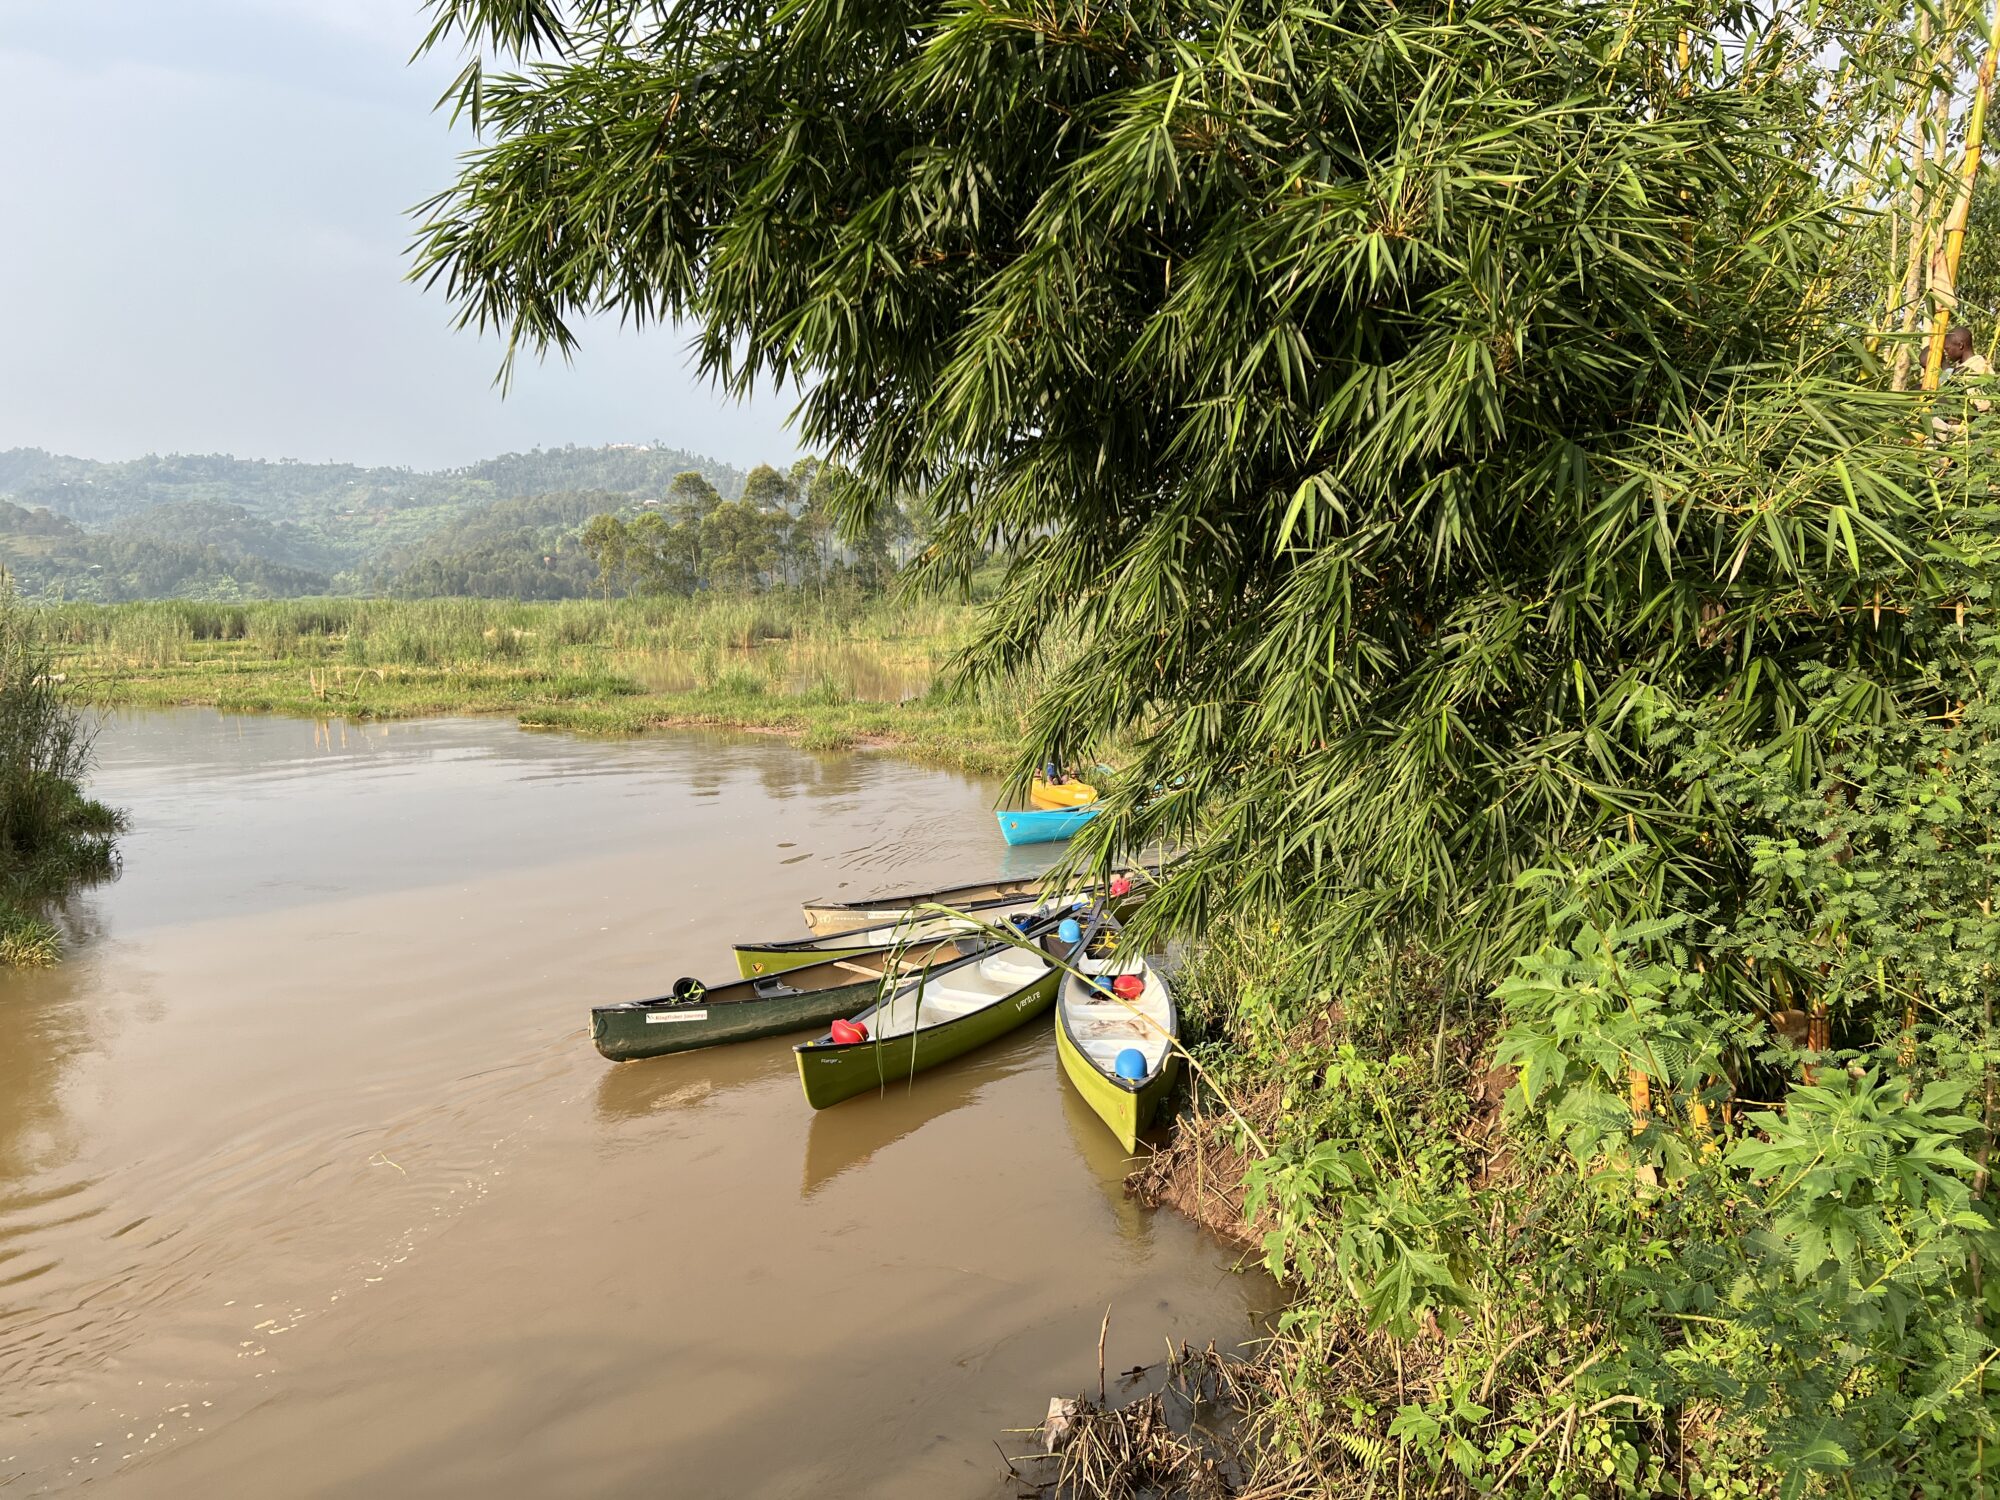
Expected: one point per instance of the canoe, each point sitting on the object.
(1060, 794)
(829, 918)
(804, 997)
(826, 918)
(943, 1013)
(759, 960)
(1044, 825)
(1094, 1029)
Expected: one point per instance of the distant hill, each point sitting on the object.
(97, 493)
(512, 549)
(209, 525)
(231, 529)
(50, 555)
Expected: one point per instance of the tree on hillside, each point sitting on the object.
(767, 489)
(606, 539)
(738, 544)
(691, 497)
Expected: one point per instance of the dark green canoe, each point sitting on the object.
(750, 1008)
(943, 1013)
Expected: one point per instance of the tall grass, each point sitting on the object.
(842, 669)
(420, 632)
(52, 837)
(787, 644)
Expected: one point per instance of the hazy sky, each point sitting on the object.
(202, 233)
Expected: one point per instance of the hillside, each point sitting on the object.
(524, 548)
(215, 526)
(49, 555)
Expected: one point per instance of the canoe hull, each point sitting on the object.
(1060, 794)
(1044, 825)
(831, 918)
(1127, 1110)
(761, 960)
(627, 1033)
(831, 1074)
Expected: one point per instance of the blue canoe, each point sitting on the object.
(1044, 827)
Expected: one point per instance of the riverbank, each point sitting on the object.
(831, 673)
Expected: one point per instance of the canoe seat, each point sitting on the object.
(943, 1000)
(1012, 968)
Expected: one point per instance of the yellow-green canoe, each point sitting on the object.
(1096, 1029)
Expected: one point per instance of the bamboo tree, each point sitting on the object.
(1944, 298)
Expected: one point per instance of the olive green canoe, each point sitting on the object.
(941, 1014)
(756, 960)
(695, 1016)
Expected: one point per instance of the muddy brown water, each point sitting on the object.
(312, 1184)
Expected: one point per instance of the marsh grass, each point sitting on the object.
(52, 837)
(837, 672)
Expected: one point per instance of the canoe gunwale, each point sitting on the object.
(858, 937)
(1032, 935)
(827, 1047)
(950, 895)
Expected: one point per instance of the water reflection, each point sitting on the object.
(688, 1083)
(1108, 1164)
(847, 1137)
(48, 1030)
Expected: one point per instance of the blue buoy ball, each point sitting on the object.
(1068, 931)
(1131, 1065)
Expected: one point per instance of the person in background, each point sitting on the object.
(1965, 375)
(1962, 361)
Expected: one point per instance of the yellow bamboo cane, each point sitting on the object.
(1954, 234)
(1924, 215)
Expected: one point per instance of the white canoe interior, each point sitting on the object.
(959, 992)
(1102, 1026)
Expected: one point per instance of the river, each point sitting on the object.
(312, 1184)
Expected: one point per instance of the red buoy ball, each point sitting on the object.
(1120, 886)
(1128, 986)
(848, 1032)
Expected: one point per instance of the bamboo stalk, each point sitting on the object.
(1921, 202)
(1944, 298)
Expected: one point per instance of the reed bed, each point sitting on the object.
(834, 671)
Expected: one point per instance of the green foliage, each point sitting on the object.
(1287, 356)
(1852, 1222)
(28, 942)
(527, 548)
(52, 837)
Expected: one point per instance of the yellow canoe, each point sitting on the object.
(1118, 1050)
(1052, 795)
